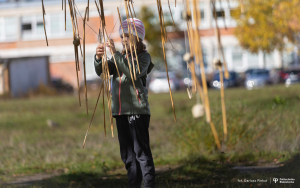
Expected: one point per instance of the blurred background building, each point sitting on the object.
(22, 40)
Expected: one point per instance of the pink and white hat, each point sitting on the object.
(139, 28)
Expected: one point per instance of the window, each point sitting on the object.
(219, 13)
(26, 23)
(253, 60)
(237, 57)
(204, 55)
(26, 27)
(55, 24)
(202, 14)
(269, 58)
(33, 26)
(8, 28)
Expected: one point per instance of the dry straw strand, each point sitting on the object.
(126, 52)
(171, 13)
(130, 39)
(44, 13)
(223, 104)
(163, 45)
(84, 70)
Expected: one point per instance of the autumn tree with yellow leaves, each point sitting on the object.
(266, 25)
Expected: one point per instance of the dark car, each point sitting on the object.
(232, 81)
(292, 77)
(91, 84)
(61, 86)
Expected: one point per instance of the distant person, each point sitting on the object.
(274, 76)
(132, 114)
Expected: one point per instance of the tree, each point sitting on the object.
(153, 33)
(262, 26)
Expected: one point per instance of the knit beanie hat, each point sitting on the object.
(139, 28)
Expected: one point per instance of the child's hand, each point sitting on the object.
(111, 45)
(100, 51)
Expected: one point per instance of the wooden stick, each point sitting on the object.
(163, 45)
(133, 22)
(134, 43)
(76, 56)
(76, 23)
(126, 52)
(44, 12)
(212, 126)
(223, 104)
(194, 77)
(102, 13)
(92, 117)
(171, 13)
(98, 12)
(113, 55)
(65, 15)
(133, 9)
(71, 15)
(110, 113)
(130, 40)
(137, 59)
(163, 21)
(84, 71)
(88, 10)
(199, 59)
(104, 112)
(75, 28)
(220, 48)
(106, 64)
(190, 37)
(223, 14)
(77, 62)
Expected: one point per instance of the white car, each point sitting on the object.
(159, 82)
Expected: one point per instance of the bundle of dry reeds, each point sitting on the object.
(193, 58)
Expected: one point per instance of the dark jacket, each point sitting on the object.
(124, 100)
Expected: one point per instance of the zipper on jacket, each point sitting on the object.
(120, 94)
(138, 96)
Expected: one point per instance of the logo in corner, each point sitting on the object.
(275, 180)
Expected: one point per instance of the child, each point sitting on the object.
(132, 114)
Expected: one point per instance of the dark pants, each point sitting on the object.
(135, 149)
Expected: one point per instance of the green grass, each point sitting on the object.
(263, 127)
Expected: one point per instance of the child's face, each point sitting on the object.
(126, 41)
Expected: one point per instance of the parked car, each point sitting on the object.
(256, 78)
(293, 77)
(159, 82)
(232, 81)
(61, 86)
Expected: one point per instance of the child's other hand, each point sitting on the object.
(100, 51)
(111, 45)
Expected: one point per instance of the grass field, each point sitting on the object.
(263, 128)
